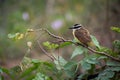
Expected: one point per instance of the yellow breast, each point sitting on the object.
(74, 36)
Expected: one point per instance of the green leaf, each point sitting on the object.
(4, 70)
(60, 63)
(95, 41)
(49, 66)
(16, 36)
(46, 43)
(28, 71)
(109, 74)
(30, 77)
(16, 69)
(41, 76)
(54, 46)
(102, 57)
(70, 68)
(116, 44)
(11, 35)
(92, 59)
(85, 65)
(117, 69)
(64, 44)
(116, 29)
(78, 50)
(1, 77)
(1, 70)
(113, 63)
(50, 45)
(26, 61)
(35, 61)
(81, 76)
(105, 49)
(69, 65)
(106, 75)
(7, 71)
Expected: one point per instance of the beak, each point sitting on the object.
(71, 27)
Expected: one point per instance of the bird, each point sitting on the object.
(82, 35)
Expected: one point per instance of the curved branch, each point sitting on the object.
(51, 57)
(103, 53)
(90, 49)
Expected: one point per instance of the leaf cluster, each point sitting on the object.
(91, 66)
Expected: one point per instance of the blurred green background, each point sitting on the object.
(57, 16)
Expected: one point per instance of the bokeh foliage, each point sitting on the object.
(91, 66)
(55, 15)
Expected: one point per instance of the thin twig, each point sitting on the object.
(103, 53)
(54, 36)
(51, 57)
(90, 49)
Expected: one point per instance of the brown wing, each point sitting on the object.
(83, 36)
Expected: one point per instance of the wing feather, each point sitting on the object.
(83, 35)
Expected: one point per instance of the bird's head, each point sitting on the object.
(76, 26)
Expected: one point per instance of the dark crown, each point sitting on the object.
(77, 26)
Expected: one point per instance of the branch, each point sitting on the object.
(51, 57)
(90, 49)
(103, 53)
(54, 36)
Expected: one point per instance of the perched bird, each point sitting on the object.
(82, 35)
